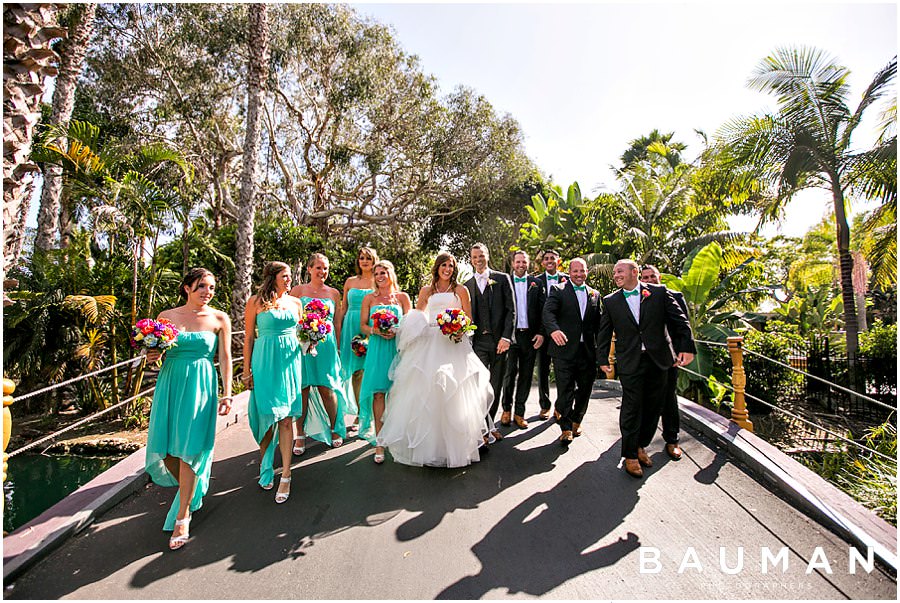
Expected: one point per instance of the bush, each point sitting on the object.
(766, 380)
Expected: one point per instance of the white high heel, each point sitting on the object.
(298, 450)
(281, 497)
(176, 542)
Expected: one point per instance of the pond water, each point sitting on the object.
(35, 482)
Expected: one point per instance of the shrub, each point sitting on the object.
(766, 380)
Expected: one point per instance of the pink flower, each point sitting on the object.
(645, 293)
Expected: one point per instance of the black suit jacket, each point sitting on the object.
(659, 312)
(534, 305)
(503, 305)
(561, 312)
(542, 279)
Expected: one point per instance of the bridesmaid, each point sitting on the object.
(382, 349)
(272, 367)
(355, 289)
(325, 418)
(183, 416)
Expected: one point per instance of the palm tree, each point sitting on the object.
(256, 84)
(28, 30)
(72, 52)
(807, 143)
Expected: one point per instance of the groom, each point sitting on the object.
(493, 312)
(640, 315)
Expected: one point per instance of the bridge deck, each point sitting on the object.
(530, 519)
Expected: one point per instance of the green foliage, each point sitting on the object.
(880, 341)
(766, 380)
(813, 311)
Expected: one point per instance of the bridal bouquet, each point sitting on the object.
(360, 345)
(153, 334)
(313, 326)
(455, 323)
(384, 320)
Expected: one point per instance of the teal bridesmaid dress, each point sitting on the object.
(277, 392)
(324, 369)
(350, 362)
(375, 374)
(183, 415)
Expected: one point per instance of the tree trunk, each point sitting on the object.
(851, 326)
(256, 82)
(72, 52)
(28, 30)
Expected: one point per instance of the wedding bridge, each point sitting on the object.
(734, 518)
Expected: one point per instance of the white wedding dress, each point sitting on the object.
(435, 411)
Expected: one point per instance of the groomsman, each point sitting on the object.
(493, 312)
(571, 316)
(551, 276)
(527, 338)
(671, 420)
(641, 315)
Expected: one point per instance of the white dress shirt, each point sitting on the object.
(550, 283)
(521, 303)
(481, 279)
(634, 304)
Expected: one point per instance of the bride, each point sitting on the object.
(435, 409)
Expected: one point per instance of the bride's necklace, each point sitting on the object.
(447, 290)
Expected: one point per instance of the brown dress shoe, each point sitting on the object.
(674, 451)
(643, 459)
(566, 438)
(633, 468)
(521, 423)
(544, 414)
(505, 417)
(556, 415)
(576, 429)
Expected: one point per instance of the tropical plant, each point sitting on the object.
(816, 310)
(807, 143)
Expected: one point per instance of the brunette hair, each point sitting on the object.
(368, 251)
(267, 291)
(440, 259)
(190, 280)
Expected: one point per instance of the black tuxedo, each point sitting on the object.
(671, 420)
(543, 358)
(575, 363)
(641, 371)
(493, 312)
(521, 355)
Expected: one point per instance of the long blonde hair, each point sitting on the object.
(392, 274)
(368, 251)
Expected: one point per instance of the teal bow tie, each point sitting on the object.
(630, 293)
(580, 287)
(552, 277)
(524, 279)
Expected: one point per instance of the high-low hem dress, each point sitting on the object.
(183, 416)
(376, 379)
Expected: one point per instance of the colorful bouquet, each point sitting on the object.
(455, 323)
(313, 326)
(360, 345)
(153, 334)
(384, 320)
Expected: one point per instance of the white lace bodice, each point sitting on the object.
(439, 302)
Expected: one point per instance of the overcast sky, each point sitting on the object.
(585, 79)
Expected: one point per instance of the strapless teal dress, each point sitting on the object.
(324, 369)
(277, 392)
(350, 362)
(183, 415)
(375, 375)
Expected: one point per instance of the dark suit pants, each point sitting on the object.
(486, 349)
(671, 419)
(642, 398)
(519, 372)
(543, 362)
(574, 382)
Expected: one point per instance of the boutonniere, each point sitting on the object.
(491, 282)
(563, 281)
(645, 293)
(532, 285)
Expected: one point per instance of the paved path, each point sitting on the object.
(529, 520)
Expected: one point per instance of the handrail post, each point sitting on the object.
(8, 388)
(739, 412)
(611, 359)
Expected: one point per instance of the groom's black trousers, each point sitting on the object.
(485, 348)
(574, 382)
(642, 397)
